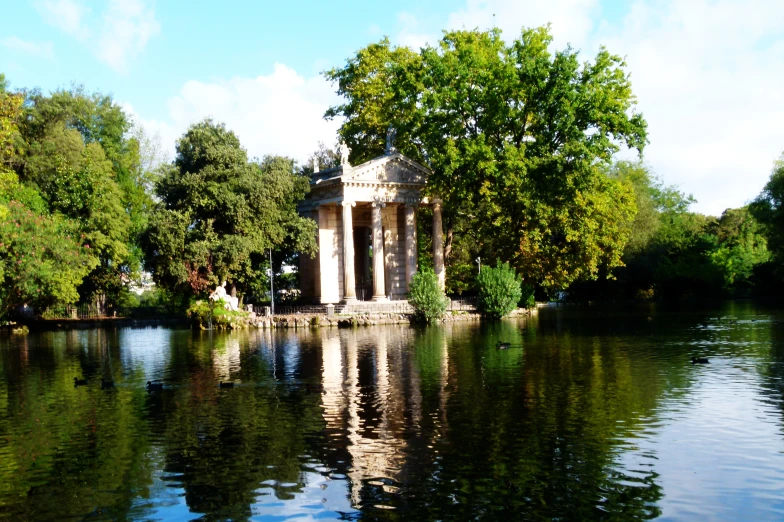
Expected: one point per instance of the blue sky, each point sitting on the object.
(708, 73)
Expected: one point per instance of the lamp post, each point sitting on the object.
(272, 289)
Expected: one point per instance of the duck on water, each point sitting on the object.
(699, 360)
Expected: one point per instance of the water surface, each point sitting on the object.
(591, 414)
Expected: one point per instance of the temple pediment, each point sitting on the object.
(394, 168)
(391, 178)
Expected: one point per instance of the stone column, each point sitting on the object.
(328, 255)
(379, 286)
(350, 291)
(438, 244)
(411, 244)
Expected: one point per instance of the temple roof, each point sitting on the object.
(392, 177)
(389, 168)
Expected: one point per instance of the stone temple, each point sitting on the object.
(367, 241)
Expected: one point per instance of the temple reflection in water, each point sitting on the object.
(371, 396)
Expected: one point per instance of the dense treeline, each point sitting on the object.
(522, 143)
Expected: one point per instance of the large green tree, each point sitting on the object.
(75, 150)
(768, 209)
(219, 213)
(515, 136)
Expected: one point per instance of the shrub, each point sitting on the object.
(527, 299)
(426, 297)
(499, 290)
(207, 315)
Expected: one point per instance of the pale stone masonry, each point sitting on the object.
(367, 240)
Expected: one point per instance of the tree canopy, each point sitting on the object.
(516, 137)
(219, 213)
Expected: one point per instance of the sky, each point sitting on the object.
(708, 74)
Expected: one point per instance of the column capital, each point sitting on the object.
(379, 204)
(347, 203)
(437, 202)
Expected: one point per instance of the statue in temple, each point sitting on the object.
(316, 166)
(391, 134)
(344, 152)
(232, 303)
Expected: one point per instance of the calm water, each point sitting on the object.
(590, 414)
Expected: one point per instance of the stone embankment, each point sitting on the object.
(352, 321)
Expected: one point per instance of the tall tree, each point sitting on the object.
(515, 137)
(768, 209)
(219, 213)
(76, 151)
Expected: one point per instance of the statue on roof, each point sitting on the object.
(344, 152)
(391, 134)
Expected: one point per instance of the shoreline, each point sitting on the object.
(295, 321)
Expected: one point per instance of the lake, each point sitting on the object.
(592, 413)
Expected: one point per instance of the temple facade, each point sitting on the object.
(367, 241)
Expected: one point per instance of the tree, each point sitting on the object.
(42, 259)
(77, 153)
(220, 213)
(516, 138)
(768, 210)
(326, 158)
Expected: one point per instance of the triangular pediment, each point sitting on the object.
(394, 168)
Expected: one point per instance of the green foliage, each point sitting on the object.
(72, 155)
(768, 210)
(527, 297)
(499, 290)
(426, 297)
(219, 214)
(515, 137)
(675, 253)
(208, 315)
(42, 259)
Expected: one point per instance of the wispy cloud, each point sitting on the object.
(67, 15)
(116, 36)
(42, 49)
(279, 113)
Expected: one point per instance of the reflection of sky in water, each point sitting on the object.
(319, 498)
(717, 450)
(148, 349)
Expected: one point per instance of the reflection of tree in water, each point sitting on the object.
(435, 423)
(531, 432)
(222, 444)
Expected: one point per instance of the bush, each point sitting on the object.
(426, 297)
(215, 316)
(499, 290)
(527, 299)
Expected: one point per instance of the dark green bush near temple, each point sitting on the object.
(426, 297)
(499, 290)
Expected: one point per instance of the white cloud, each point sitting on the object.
(67, 15)
(281, 113)
(708, 75)
(127, 27)
(42, 49)
(116, 37)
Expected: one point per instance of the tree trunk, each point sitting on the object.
(448, 244)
